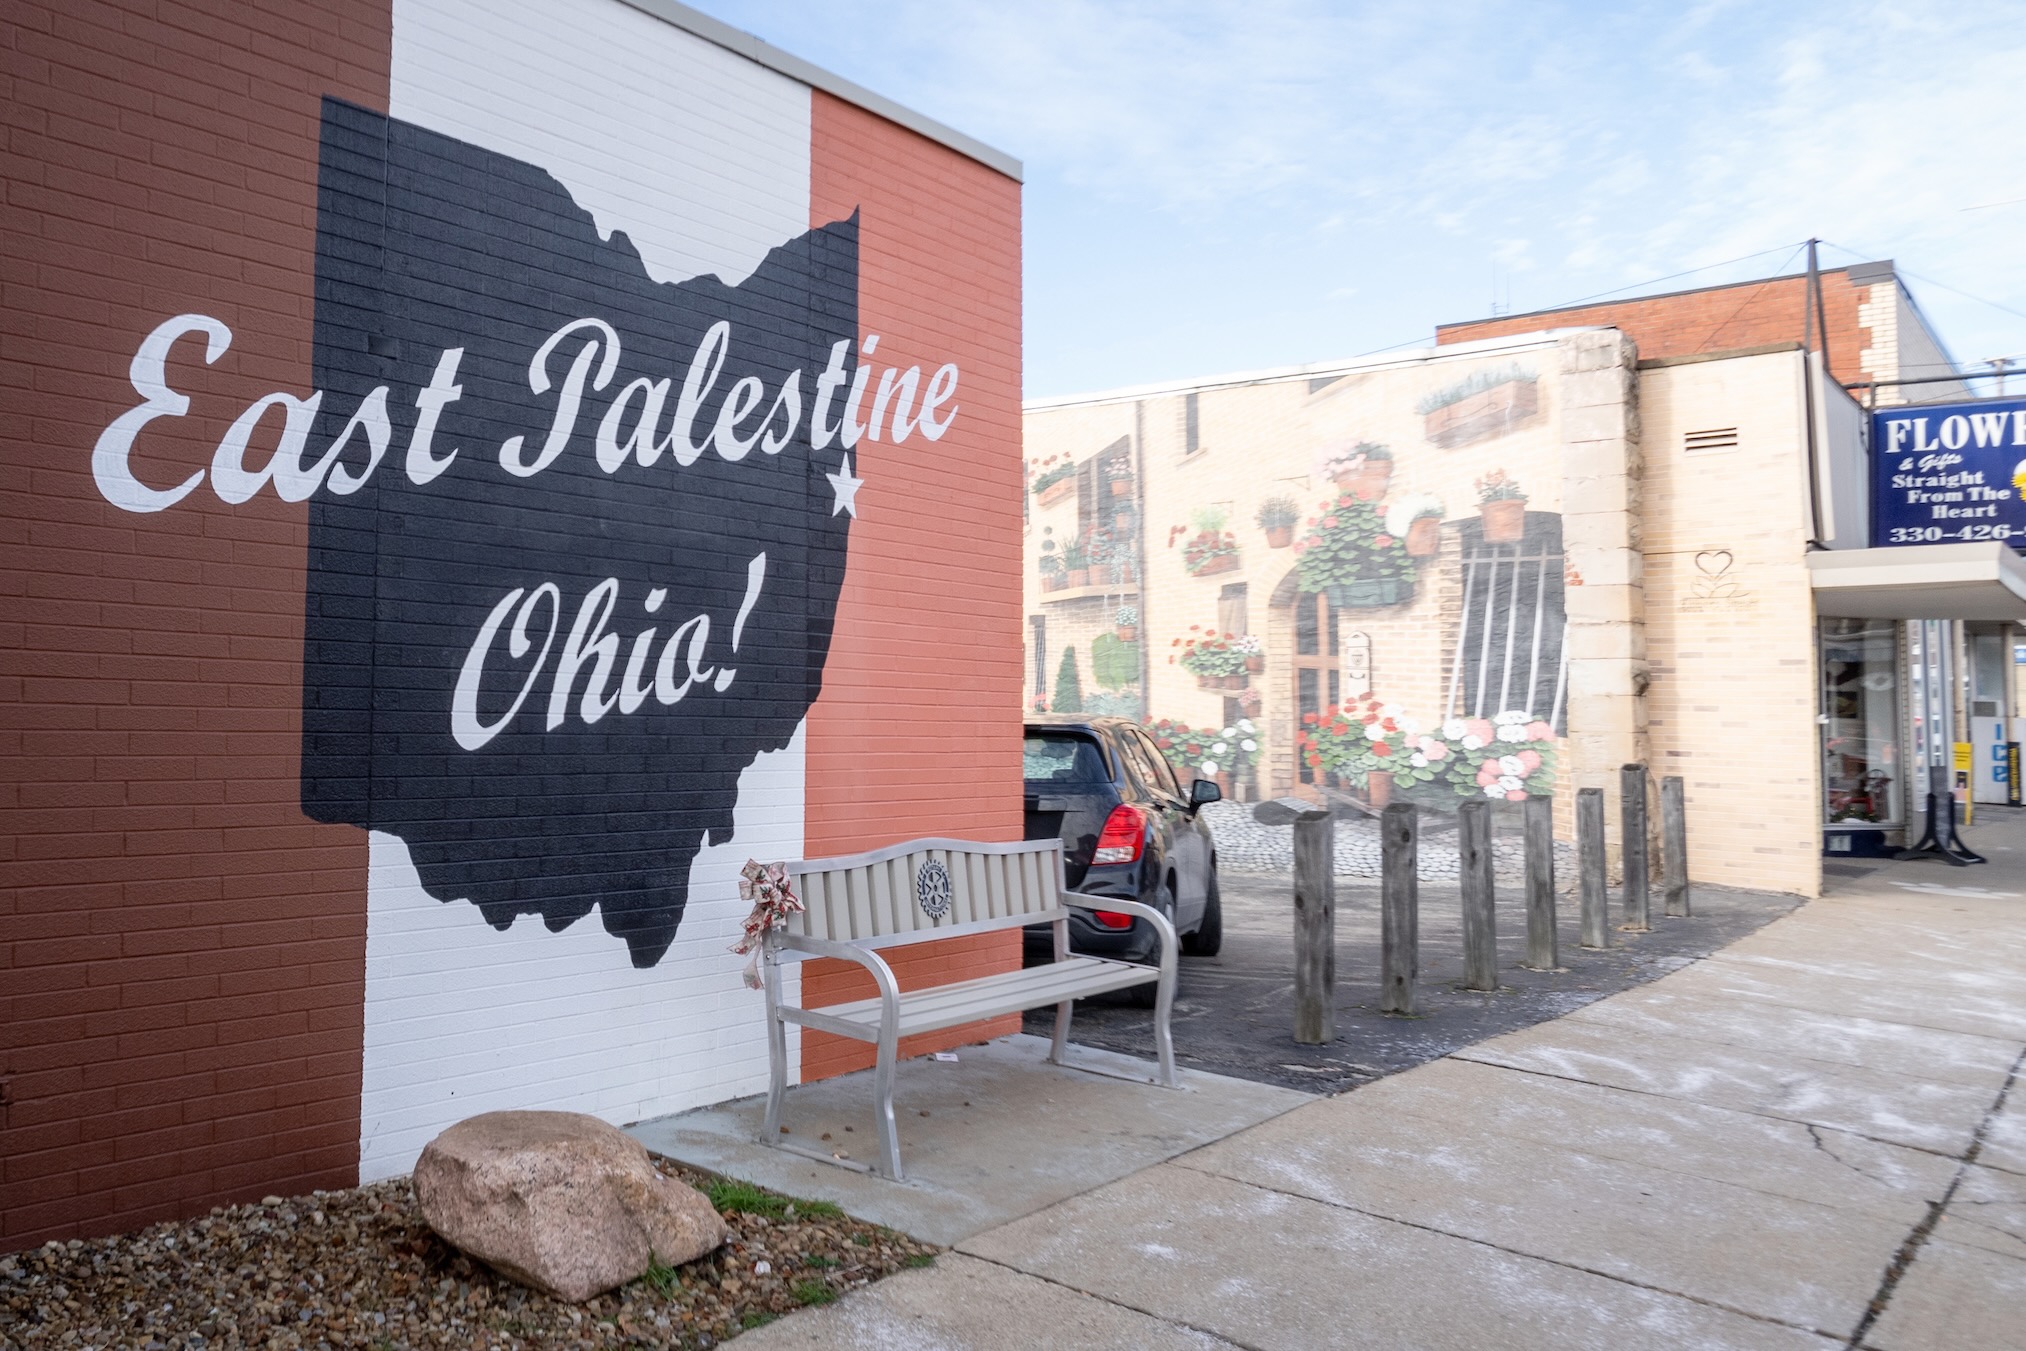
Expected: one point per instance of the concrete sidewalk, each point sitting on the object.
(1811, 1139)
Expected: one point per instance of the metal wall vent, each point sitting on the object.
(1711, 442)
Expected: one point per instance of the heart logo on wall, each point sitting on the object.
(1714, 562)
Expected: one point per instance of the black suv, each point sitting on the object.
(1128, 829)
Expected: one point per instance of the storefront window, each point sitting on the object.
(1862, 768)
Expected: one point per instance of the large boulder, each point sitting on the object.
(559, 1201)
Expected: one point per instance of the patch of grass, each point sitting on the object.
(814, 1292)
(757, 1318)
(862, 1240)
(920, 1260)
(661, 1279)
(820, 1261)
(729, 1196)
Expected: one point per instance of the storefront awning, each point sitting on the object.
(1922, 581)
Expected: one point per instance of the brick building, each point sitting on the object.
(475, 473)
(1546, 546)
(1875, 330)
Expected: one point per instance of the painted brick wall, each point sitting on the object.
(1718, 319)
(181, 976)
(918, 729)
(205, 995)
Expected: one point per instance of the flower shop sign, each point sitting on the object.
(1949, 473)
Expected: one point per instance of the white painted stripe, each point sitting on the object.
(702, 158)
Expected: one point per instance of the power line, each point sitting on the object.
(1930, 281)
(1706, 267)
(1750, 296)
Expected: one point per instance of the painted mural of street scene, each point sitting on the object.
(1351, 584)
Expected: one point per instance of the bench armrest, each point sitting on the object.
(1163, 929)
(882, 974)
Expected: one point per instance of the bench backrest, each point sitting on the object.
(923, 887)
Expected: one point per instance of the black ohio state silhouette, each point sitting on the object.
(426, 243)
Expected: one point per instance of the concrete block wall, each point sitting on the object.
(1603, 505)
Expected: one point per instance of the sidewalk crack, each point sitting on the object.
(1169, 1319)
(1902, 1260)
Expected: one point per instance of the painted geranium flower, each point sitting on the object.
(1529, 760)
(1511, 764)
(1539, 731)
(1473, 743)
(1455, 728)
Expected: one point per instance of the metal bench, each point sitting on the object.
(925, 891)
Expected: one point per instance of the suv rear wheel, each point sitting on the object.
(1146, 996)
(1209, 936)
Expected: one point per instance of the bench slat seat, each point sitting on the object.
(968, 1001)
(933, 891)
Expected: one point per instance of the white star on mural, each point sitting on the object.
(846, 488)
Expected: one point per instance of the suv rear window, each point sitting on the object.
(1062, 757)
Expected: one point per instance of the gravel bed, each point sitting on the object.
(1245, 845)
(361, 1268)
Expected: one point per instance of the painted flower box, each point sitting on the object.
(1215, 564)
(1370, 593)
(1058, 491)
(1483, 415)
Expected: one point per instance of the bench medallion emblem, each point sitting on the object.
(932, 889)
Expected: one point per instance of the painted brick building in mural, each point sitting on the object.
(476, 474)
(1545, 547)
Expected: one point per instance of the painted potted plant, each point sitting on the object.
(1503, 507)
(1277, 517)
(1212, 549)
(1120, 479)
(1126, 623)
(1055, 481)
(1349, 556)
(1227, 754)
(1213, 659)
(1076, 558)
(1507, 757)
(1417, 520)
(1362, 470)
(1252, 650)
(1110, 556)
(1053, 576)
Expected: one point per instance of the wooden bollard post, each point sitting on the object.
(1400, 907)
(1590, 867)
(1674, 846)
(1632, 847)
(1480, 922)
(1538, 816)
(1315, 909)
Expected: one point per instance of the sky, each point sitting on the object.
(1224, 187)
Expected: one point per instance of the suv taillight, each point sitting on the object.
(1123, 836)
